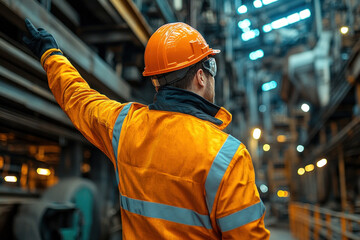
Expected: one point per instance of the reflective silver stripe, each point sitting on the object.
(165, 212)
(241, 217)
(116, 135)
(218, 168)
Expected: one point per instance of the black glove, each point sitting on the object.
(39, 41)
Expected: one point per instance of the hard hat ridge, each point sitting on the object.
(174, 46)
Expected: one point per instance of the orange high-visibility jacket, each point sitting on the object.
(179, 175)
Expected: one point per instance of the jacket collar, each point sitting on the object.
(178, 100)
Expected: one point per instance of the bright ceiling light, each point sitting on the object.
(293, 18)
(257, 4)
(246, 29)
(305, 14)
(242, 9)
(43, 171)
(321, 163)
(266, 147)
(344, 30)
(301, 171)
(267, 2)
(262, 108)
(10, 179)
(269, 86)
(263, 188)
(300, 148)
(244, 23)
(256, 54)
(256, 133)
(267, 28)
(309, 167)
(281, 138)
(246, 36)
(282, 22)
(305, 107)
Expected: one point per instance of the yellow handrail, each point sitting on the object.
(310, 222)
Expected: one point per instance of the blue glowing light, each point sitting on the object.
(269, 86)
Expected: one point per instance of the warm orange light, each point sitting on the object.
(344, 30)
(283, 193)
(85, 168)
(309, 167)
(266, 147)
(1, 162)
(321, 163)
(256, 133)
(301, 171)
(10, 179)
(281, 138)
(43, 171)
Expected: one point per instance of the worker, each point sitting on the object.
(179, 175)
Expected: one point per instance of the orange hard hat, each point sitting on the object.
(174, 46)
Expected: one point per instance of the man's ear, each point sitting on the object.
(200, 77)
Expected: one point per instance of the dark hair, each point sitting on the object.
(185, 82)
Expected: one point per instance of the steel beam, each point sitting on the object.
(166, 11)
(107, 37)
(5, 73)
(9, 51)
(132, 16)
(33, 102)
(39, 125)
(73, 47)
(68, 11)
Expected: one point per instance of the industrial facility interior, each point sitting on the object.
(288, 72)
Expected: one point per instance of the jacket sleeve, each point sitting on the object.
(240, 211)
(92, 113)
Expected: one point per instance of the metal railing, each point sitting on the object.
(312, 222)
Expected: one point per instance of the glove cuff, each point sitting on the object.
(48, 53)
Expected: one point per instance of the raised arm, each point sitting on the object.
(92, 113)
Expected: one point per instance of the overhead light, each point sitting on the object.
(344, 30)
(293, 18)
(256, 133)
(256, 54)
(262, 108)
(247, 29)
(242, 9)
(281, 138)
(309, 167)
(269, 86)
(267, 28)
(285, 21)
(244, 23)
(43, 171)
(267, 2)
(321, 163)
(300, 148)
(266, 147)
(282, 22)
(263, 188)
(10, 179)
(248, 35)
(305, 107)
(305, 14)
(301, 171)
(257, 4)
(282, 193)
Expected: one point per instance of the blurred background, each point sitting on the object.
(289, 73)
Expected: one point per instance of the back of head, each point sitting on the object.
(173, 47)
